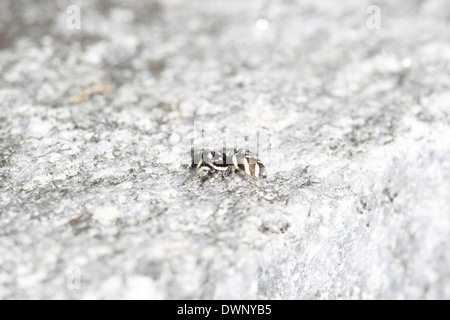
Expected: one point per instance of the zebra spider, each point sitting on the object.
(212, 163)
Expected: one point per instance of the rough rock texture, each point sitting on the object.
(95, 129)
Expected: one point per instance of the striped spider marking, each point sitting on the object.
(210, 163)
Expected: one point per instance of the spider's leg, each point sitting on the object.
(190, 179)
(205, 174)
(225, 173)
(255, 181)
(197, 175)
(203, 171)
(259, 185)
(199, 164)
(200, 172)
(228, 170)
(233, 172)
(214, 177)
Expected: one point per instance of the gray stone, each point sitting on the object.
(95, 129)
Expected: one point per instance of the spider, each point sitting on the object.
(210, 163)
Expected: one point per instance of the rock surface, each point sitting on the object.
(95, 129)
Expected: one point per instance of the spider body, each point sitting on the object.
(210, 163)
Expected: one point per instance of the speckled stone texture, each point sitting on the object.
(95, 129)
